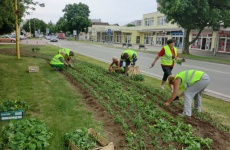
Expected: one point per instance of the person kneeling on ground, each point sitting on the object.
(69, 57)
(193, 83)
(115, 66)
(130, 58)
(58, 61)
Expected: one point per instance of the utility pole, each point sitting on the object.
(16, 24)
(34, 28)
(30, 27)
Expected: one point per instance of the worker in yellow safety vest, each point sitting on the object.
(58, 61)
(69, 57)
(115, 66)
(192, 83)
(168, 55)
(129, 57)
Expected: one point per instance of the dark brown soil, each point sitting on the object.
(114, 133)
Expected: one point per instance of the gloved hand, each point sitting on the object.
(179, 61)
(182, 60)
(177, 98)
(132, 64)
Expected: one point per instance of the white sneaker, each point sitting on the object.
(162, 87)
(183, 115)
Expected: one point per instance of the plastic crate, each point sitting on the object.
(104, 144)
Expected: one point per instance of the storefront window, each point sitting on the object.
(138, 40)
(161, 41)
(158, 42)
(197, 43)
(224, 41)
(178, 41)
(221, 44)
(228, 45)
(118, 40)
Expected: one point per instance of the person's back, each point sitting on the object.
(58, 61)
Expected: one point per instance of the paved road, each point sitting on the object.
(219, 73)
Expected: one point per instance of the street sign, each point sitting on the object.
(109, 31)
(74, 32)
(47, 30)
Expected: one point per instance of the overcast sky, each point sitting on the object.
(111, 11)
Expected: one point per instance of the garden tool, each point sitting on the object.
(176, 98)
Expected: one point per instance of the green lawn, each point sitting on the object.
(50, 96)
(55, 101)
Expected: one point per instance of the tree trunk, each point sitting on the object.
(186, 44)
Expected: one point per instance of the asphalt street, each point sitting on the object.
(219, 73)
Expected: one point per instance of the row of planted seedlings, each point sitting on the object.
(161, 96)
(146, 125)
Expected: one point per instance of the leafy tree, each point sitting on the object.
(35, 25)
(61, 25)
(130, 25)
(77, 17)
(195, 14)
(52, 27)
(7, 15)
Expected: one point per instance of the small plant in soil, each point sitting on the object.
(12, 105)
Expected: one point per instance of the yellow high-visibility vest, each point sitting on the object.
(56, 60)
(167, 58)
(189, 77)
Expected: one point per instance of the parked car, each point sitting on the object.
(53, 39)
(47, 37)
(21, 37)
(7, 39)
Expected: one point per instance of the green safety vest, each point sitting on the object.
(130, 53)
(56, 61)
(121, 68)
(67, 51)
(189, 77)
(167, 58)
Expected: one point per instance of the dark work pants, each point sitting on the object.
(167, 71)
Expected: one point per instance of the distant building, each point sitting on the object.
(116, 24)
(95, 20)
(98, 22)
(137, 23)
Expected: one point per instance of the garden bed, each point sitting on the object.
(100, 98)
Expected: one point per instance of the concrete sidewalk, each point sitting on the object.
(204, 53)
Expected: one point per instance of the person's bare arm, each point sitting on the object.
(63, 61)
(110, 66)
(153, 63)
(176, 86)
(118, 66)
